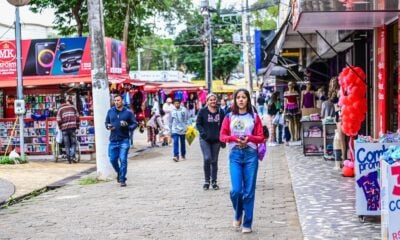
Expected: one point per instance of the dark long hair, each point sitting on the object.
(249, 107)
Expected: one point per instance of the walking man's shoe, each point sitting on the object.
(183, 158)
(118, 177)
(123, 184)
(215, 185)
(206, 186)
(246, 230)
(176, 159)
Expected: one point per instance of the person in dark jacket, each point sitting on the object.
(119, 120)
(209, 120)
(68, 122)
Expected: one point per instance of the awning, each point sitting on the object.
(64, 79)
(343, 14)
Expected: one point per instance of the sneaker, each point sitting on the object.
(123, 184)
(176, 159)
(236, 223)
(215, 185)
(206, 186)
(246, 230)
(183, 158)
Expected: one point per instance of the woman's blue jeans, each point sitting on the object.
(243, 166)
(118, 150)
(179, 140)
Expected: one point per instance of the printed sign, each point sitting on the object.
(390, 217)
(367, 185)
(60, 56)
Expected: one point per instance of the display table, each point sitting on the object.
(312, 138)
(329, 135)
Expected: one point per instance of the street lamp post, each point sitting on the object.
(19, 103)
(205, 11)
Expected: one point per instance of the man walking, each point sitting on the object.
(209, 121)
(261, 102)
(119, 121)
(68, 122)
(178, 126)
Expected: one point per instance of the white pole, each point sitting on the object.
(20, 88)
(101, 93)
(246, 45)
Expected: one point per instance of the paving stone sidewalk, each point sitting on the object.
(163, 200)
(41, 172)
(326, 200)
(6, 190)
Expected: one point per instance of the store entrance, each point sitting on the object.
(392, 77)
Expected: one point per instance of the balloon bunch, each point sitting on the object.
(353, 105)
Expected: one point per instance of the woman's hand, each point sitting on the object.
(243, 141)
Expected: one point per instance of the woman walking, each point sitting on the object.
(209, 120)
(242, 130)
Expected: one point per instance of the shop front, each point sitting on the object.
(52, 69)
(373, 27)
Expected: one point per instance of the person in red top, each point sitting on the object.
(68, 122)
(242, 130)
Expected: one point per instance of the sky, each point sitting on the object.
(7, 13)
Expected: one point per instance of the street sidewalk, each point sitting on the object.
(20, 180)
(163, 200)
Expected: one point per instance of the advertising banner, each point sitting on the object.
(60, 56)
(367, 185)
(390, 195)
(382, 81)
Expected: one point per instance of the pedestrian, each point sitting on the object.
(178, 126)
(68, 122)
(279, 119)
(242, 130)
(208, 123)
(272, 110)
(167, 109)
(223, 105)
(191, 105)
(154, 126)
(119, 121)
(261, 102)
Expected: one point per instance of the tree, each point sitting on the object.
(190, 48)
(158, 53)
(71, 17)
(265, 14)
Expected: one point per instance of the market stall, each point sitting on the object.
(52, 69)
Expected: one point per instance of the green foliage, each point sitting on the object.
(152, 57)
(71, 17)
(265, 19)
(88, 181)
(190, 48)
(19, 160)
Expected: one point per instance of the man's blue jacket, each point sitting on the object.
(114, 117)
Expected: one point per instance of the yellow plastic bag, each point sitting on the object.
(191, 134)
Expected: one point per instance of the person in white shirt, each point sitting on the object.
(167, 109)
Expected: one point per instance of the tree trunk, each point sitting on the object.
(75, 12)
(100, 91)
(126, 32)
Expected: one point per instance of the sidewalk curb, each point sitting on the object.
(60, 183)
